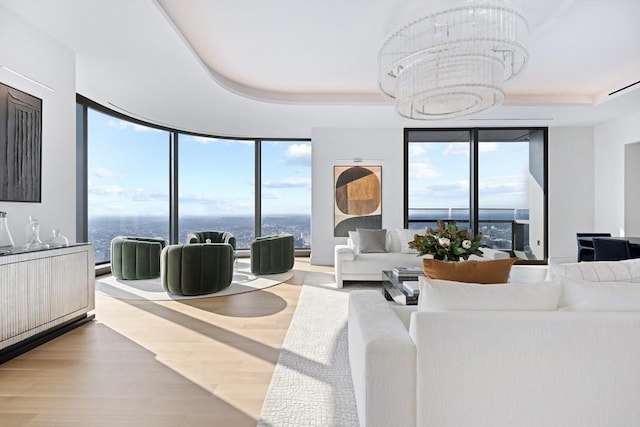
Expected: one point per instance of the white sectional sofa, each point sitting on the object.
(576, 365)
(350, 264)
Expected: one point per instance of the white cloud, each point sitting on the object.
(199, 197)
(143, 195)
(123, 125)
(106, 189)
(298, 154)
(271, 195)
(457, 149)
(417, 150)
(104, 173)
(462, 149)
(487, 146)
(423, 170)
(207, 140)
(287, 183)
(202, 139)
(132, 194)
(209, 204)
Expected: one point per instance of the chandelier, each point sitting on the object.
(455, 62)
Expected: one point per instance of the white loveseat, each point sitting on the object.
(350, 264)
(502, 367)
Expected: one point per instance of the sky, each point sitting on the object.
(439, 175)
(128, 173)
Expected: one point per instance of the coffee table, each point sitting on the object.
(394, 291)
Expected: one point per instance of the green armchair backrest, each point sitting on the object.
(214, 236)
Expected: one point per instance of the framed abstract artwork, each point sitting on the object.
(358, 198)
(20, 146)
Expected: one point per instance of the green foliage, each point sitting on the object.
(447, 243)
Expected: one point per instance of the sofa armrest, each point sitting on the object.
(341, 253)
(383, 362)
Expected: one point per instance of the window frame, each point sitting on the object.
(83, 104)
(474, 180)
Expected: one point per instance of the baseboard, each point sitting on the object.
(23, 346)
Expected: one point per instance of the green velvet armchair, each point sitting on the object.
(196, 269)
(136, 257)
(272, 254)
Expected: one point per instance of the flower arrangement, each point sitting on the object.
(447, 243)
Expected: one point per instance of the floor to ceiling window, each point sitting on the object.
(490, 180)
(286, 189)
(216, 187)
(438, 178)
(247, 186)
(127, 190)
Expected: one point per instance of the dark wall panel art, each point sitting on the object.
(20, 146)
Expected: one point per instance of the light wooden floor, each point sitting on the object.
(202, 362)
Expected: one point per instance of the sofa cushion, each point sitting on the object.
(580, 295)
(405, 236)
(599, 271)
(352, 242)
(483, 272)
(444, 295)
(398, 240)
(372, 241)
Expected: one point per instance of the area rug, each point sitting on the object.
(152, 290)
(311, 384)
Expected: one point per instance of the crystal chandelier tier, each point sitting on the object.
(455, 62)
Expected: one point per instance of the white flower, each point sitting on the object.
(444, 242)
(466, 244)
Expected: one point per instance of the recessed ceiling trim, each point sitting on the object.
(527, 119)
(520, 99)
(264, 95)
(624, 88)
(27, 78)
(290, 97)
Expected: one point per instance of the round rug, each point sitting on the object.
(152, 290)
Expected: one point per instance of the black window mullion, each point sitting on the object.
(258, 189)
(173, 188)
(82, 207)
(406, 178)
(473, 182)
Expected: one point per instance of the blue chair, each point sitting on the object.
(608, 249)
(585, 245)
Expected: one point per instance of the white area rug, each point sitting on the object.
(311, 384)
(152, 290)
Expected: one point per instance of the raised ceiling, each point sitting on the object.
(245, 67)
(316, 50)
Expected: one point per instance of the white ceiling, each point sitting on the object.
(279, 68)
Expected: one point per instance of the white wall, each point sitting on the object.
(631, 193)
(571, 182)
(576, 183)
(336, 147)
(28, 51)
(609, 140)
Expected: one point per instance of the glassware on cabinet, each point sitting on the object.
(6, 241)
(34, 242)
(57, 239)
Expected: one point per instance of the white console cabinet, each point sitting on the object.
(43, 294)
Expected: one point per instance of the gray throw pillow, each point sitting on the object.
(372, 240)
